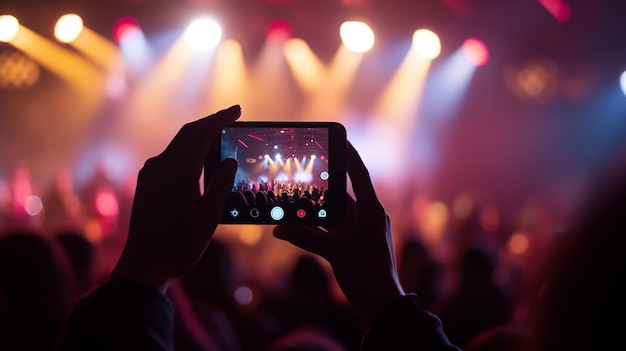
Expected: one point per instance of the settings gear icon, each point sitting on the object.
(234, 213)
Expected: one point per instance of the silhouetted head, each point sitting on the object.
(236, 199)
(419, 272)
(506, 337)
(249, 195)
(583, 302)
(213, 278)
(310, 277)
(260, 199)
(306, 339)
(476, 267)
(80, 252)
(37, 284)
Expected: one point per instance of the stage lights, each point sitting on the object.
(622, 82)
(125, 28)
(426, 43)
(68, 28)
(203, 34)
(558, 8)
(357, 36)
(9, 26)
(279, 32)
(475, 51)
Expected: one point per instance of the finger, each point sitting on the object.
(194, 139)
(216, 192)
(350, 209)
(311, 239)
(359, 175)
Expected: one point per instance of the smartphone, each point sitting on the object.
(288, 172)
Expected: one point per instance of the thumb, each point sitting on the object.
(217, 189)
(312, 239)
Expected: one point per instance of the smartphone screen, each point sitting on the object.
(288, 172)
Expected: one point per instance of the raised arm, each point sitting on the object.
(171, 226)
(360, 252)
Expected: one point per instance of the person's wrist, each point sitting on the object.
(131, 270)
(387, 293)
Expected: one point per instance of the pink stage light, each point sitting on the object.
(475, 51)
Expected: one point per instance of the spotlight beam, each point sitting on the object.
(400, 99)
(335, 81)
(81, 74)
(97, 48)
(230, 77)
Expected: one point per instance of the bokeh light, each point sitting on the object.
(244, 295)
(106, 203)
(93, 231)
(33, 205)
(17, 70)
(518, 243)
(537, 80)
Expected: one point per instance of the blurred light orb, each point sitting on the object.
(203, 34)
(9, 26)
(426, 43)
(622, 82)
(518, 243)
(244, 295)
(33, 205)
(357, 36)
(106, 204)
(475, 51)
(68, 28)
(17, 70)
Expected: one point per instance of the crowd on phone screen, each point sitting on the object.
(567, 292)
(280, 192)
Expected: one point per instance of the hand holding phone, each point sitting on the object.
(288, 172)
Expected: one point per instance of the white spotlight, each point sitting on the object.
(357, 36)
(622, 82)
(68, 28)
(426, 43)
(203, 34)
(9, 27)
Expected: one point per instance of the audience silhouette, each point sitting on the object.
(174, 285)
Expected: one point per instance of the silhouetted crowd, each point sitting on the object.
(566, 295)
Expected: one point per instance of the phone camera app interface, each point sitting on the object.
(283, 173)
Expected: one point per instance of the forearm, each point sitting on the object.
(404, 325)
(120, 315)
